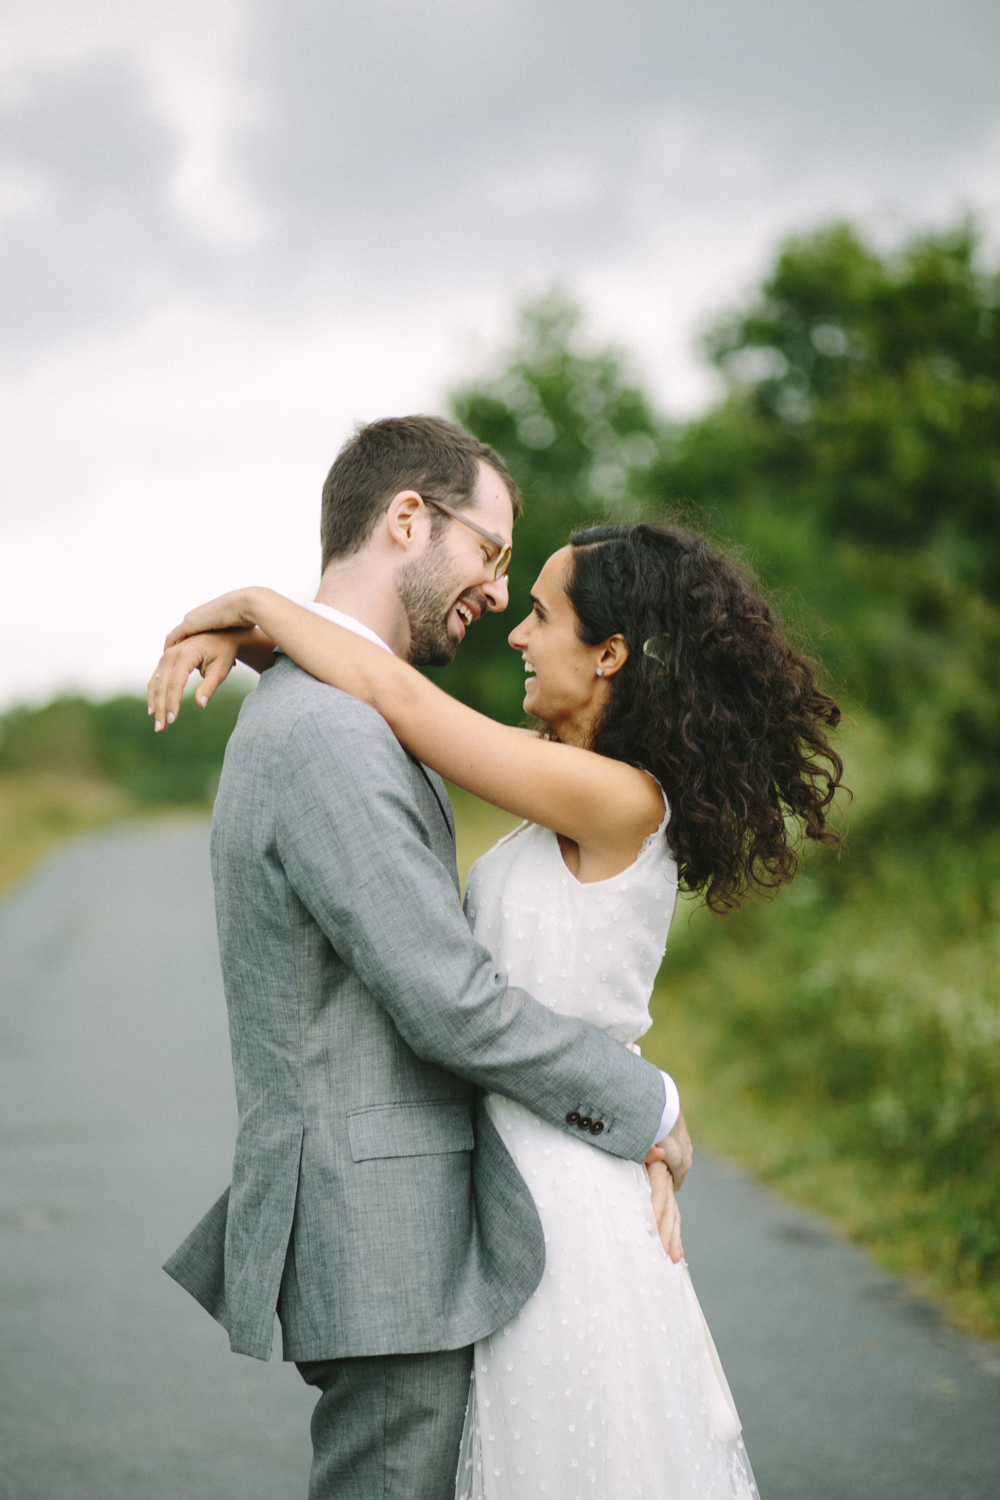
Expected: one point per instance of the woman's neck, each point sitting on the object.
(570, 732)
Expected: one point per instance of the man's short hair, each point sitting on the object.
(426, 454)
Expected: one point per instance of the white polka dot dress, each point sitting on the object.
(606, 1386)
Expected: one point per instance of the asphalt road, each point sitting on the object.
(116, 1128)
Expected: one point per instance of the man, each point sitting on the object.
(373, 1205)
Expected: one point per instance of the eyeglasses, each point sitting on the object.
(504, 549)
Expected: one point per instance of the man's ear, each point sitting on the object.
(613, 655)
(405, 518)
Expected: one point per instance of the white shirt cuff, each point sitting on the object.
(671, 1108)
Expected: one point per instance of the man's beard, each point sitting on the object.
(426, 589)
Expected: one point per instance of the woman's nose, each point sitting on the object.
(518, 638)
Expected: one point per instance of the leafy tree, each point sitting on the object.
(858, 452)
(580, 438)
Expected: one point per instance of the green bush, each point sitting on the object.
(866, 994)
(114, 741)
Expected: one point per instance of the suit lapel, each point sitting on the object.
(440, 795)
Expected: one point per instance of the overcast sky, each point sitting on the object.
(229, 229)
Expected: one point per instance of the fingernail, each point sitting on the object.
(171, 718)
(157, 726)
(149, 710)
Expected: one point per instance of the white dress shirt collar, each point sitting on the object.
(337, 617)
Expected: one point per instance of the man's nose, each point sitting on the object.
(496, 594)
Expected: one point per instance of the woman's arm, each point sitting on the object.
(603, 805)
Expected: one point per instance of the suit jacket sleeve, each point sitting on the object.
(356, 850)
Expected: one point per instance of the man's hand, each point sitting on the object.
(679, 1152)
(665, 1210)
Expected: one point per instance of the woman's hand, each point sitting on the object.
(665, 1210)
(212, 655)
(208, 640)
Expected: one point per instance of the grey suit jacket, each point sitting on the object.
(373, 1204)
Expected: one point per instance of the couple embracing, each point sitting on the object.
(454, 1174)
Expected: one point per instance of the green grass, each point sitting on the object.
(885, 1208)
(39, 811)
(843, 1044)
(73, 765)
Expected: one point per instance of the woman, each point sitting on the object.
(682, 740)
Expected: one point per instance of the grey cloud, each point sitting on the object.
(396, 146)
(389, 96)
(90, 236)
(395, 87)
(399, 140)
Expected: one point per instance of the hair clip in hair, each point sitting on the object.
(658, 647)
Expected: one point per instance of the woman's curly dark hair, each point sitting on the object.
(713, 700)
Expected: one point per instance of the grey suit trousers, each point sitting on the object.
(388, 1426)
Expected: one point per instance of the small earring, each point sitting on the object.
(600, 671)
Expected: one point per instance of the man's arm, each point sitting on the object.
(355, 849)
